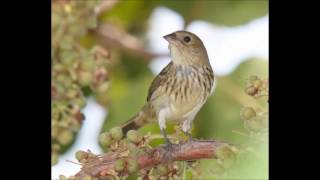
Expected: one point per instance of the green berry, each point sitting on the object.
(81, 102)
(88, 64)
(109, 177)
(116, 133)
(105, 139)
(71, 178)
(162, 170)
(58, 67)
(247, 113)
(65, 137)
(54, 159)
(258, 123)
(87, 177)
(62, 177)
(226, 156)
(55, 147)
(81, 155)
(103, 87)
(132, 165)
(54, 131)
(131, 146)
(85, 78)
(119, 165)
(71, 93)
(134, 136)
(257, 83)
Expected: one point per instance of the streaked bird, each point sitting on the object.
(180, 90)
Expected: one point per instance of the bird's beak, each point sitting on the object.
(170, 37)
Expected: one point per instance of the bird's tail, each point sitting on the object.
(136, 121)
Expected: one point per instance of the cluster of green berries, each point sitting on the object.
(113, 141)
(226, 156)
(74, 68)
(257, 87)
(254, 120)
(127, 148)
(172, 170)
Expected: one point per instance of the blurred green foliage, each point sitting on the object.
(222, 12)
(130, 77)
(76, 71)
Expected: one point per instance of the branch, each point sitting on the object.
(113, 36)
(104, 164)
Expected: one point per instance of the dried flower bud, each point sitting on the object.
(251, 91)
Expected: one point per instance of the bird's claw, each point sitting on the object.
(168, 153)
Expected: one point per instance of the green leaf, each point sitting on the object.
(227, 12)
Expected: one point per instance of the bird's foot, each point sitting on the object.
(190, 138)
(169, 148)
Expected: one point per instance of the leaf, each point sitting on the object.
(228, 12)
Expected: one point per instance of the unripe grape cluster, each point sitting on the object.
(257, 87)
(74, 68)
(255, 120)
(127, 148)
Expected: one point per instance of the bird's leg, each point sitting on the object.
(187, 133)
(168, 142)
(168, 147)
(186, 128)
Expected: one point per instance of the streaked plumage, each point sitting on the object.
(181, 88)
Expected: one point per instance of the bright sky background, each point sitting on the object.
(227, 47)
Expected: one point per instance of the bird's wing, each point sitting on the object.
(158, 81)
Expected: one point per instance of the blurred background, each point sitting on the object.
(106, 53)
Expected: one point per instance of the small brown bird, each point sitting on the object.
(181, 88)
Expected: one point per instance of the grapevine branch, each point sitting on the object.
(191, 150)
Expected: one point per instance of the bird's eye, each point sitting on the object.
(187, 39)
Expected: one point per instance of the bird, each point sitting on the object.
(182, 87)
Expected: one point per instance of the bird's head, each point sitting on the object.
(186, 48)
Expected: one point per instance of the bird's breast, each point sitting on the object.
(187, 92)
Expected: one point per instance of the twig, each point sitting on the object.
(110, 35)
(191, 150)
